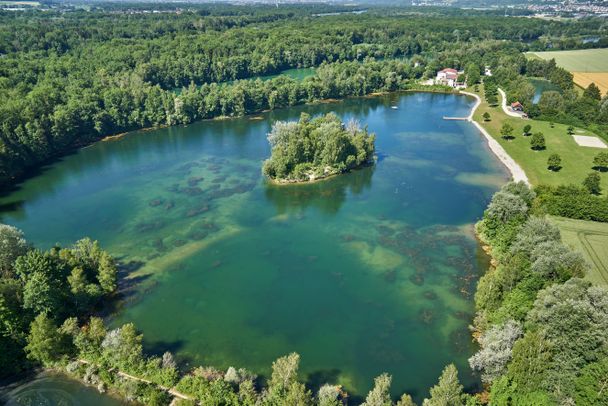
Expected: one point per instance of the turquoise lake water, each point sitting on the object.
(368, 272)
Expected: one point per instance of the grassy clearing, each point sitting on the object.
(590, 238)
(584, 60)
(577, 161)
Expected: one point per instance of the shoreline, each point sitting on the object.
(517, 172)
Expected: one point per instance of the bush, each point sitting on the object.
(554, 162)
(592, 183)
(572, 202)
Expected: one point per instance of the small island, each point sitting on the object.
(316, 148)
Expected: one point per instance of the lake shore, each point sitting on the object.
(518, 174)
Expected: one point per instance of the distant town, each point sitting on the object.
(538, 8)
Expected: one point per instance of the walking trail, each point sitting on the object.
(517, 172)
(505, 108)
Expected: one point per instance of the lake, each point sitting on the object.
(49, 389)
(366, 272)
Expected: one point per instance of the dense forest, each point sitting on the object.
(69, 78)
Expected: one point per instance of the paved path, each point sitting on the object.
(517, 172)
(507, 110)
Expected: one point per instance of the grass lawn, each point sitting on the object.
(583, 60)
(591, 239)
(577, 161)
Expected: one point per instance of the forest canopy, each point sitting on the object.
(312, 149)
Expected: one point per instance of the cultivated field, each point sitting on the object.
(585, 60)
(587, 65)
(584, 79)
(590, 238)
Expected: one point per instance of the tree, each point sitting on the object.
(593, 92)
(535, 231)
(496, 350)
(41, 294)
(106, 273)
(554, 162)
(448, 391)
(406, 400)
(551, 103)
(122, 347)
(601, 162)
(473, 74)
(520, 189)
(89, 339)
(570, 130)
(12, 246)
(573, 318)
(380, 394)
(527, 129)
(284, 387)
(537, 142)
(44, 341)
(506, 131)
(492, 100)
(486, 116)
(591, 384)
(553, 261)
(592, 183)
(329, 395)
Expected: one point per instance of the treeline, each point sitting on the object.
(541, 326)
(114, 361)
(48, 123)
(38, 289)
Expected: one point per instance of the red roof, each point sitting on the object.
(449, 70)
(516, 104)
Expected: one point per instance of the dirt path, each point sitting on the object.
(517, 172)
(507, 111)
(172, 391)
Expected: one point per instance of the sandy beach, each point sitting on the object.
(517, 172)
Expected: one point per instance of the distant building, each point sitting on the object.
(448, 77)
(488, 71)
(517, 106)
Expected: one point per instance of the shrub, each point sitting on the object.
(554, 162)
(592, 183)
(600, 162)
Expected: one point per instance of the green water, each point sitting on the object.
(367, 272)
(541, 86)
(49, 389)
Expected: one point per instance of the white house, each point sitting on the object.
(448, 77)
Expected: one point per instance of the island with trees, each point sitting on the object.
(316, 148)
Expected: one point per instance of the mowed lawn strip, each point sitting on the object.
(583, 60)
(577, 161)
(591, 239)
